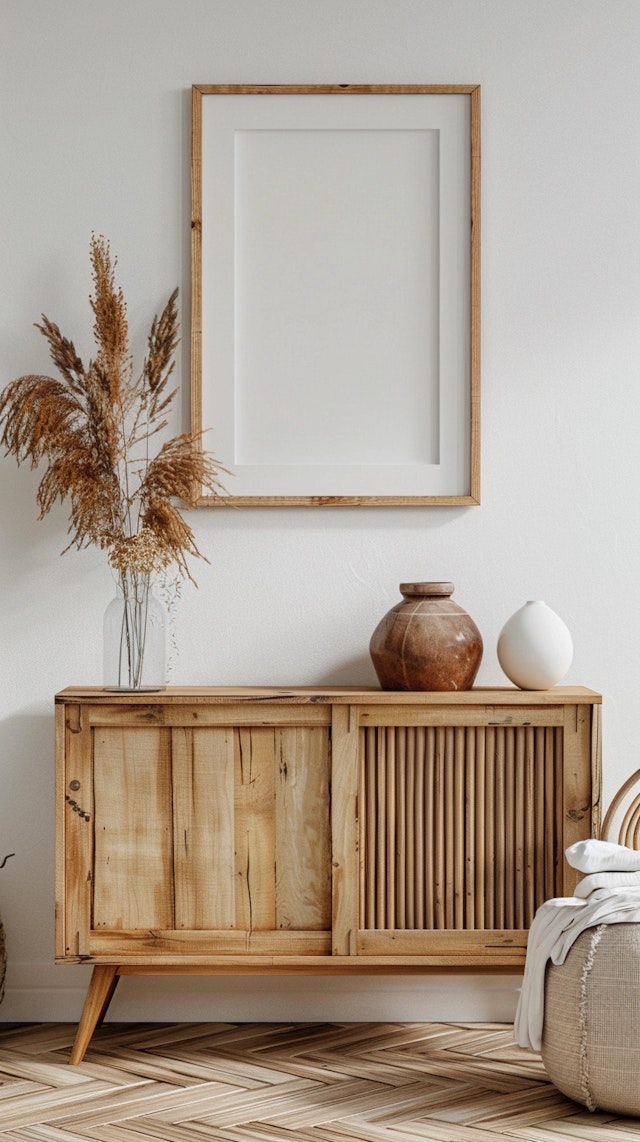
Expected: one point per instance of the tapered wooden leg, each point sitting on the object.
(104, 980)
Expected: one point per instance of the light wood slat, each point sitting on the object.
(461, 715)
(552, 809)
(489, 854)
(462, 954)
(367, 1082)
(367, 796)
(453, 822)
(596, 773)
(439, 871)
(344, 829)
(522, 813)
(133, 865)
(380, 827)
(467, 826)
(349, 1098)
(451, 829)
(163, 1098)
(558, 786)
(52, 1108)
(541, 781)
(75, 814)
(391, 855)
(429, 834)
(303, 830)
(254, 832)
(459, 830)
(448, 827)
(402, 814)
(191, 716)
(134, 944)
(482, 877)
(197, 696)
(532, 842)
(60, 939)
(421, 862)
(282, 1105)
(410, 942)
(204, 840)
(576, 805)
(410, 839)
(508, 875)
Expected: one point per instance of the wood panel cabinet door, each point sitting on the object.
(203, 839)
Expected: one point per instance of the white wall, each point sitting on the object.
(94, 135)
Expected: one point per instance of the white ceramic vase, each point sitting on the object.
(535, 648)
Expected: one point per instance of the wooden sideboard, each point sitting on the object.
(245, 830)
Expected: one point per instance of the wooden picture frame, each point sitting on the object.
(335, 324)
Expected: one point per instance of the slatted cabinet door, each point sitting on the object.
(466, 813)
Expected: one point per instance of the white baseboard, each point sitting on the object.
(46, 993)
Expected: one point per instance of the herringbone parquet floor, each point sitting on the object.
(395, 1082)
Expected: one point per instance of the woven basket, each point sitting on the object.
(591, 1040)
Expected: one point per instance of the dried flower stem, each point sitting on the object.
(94, 425)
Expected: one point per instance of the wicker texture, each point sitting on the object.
(591, 1041)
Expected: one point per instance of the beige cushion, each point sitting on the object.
(591, 1039)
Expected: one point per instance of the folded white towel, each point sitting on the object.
(610, 880)
(555, 926)
(602, 856)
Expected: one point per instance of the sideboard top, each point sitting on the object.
(342, 695)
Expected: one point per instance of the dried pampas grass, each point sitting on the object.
(95, 425)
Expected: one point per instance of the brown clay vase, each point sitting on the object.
(426, 642)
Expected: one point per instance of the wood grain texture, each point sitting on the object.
(473, 92)
(198, 699)
(311, 831)
(254, 844)
(203, 806)
(75, 860)
(133, 835)
(303, 831)
(214, 816)
(344, 830)
(327, 1082)
(453, 834)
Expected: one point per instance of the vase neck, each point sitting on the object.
(422, 590)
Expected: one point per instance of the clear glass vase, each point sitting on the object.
(135, 636)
